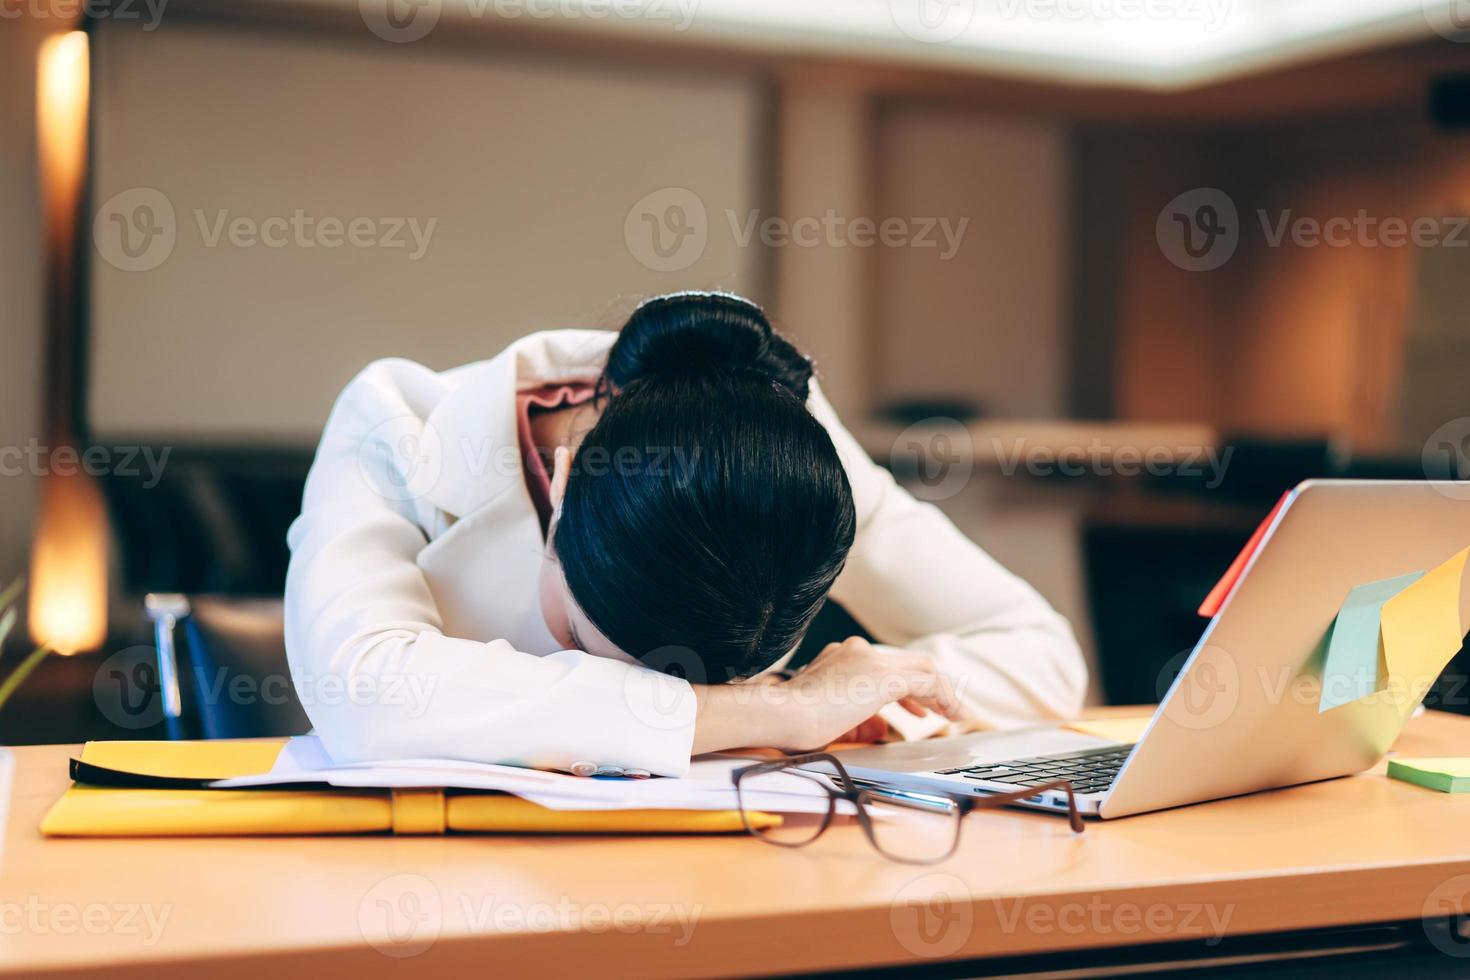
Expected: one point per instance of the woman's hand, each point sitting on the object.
(875, 729)
(834, 696)
(844, 687)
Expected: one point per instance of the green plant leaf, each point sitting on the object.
(19, 674)
(11, 593)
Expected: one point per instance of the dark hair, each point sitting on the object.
(732, 516)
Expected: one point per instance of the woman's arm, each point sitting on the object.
(844, 686)
(916, 582)
(376, 674)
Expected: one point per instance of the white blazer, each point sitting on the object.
(413, 621)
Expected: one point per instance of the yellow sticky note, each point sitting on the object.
(1422, 630)
(218, 759)
(1118, 729)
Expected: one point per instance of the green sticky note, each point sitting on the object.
(1445, 775)
(1355, 666)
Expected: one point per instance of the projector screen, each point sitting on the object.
(273, 212)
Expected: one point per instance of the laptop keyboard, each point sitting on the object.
(1089, 771)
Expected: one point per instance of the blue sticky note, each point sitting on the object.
(1354, 666)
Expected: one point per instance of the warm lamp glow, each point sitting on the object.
(68, 598)
(62, 86)
(68, 604)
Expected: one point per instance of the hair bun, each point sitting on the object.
(703, 333)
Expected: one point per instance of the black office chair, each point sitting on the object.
(222, 670)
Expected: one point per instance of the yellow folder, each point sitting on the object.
(152, 808)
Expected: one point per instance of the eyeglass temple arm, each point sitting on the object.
(800, 760)
(1074, 816)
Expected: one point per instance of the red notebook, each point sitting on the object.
(1223, 588)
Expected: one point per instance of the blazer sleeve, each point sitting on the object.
(376, 674)
(913, 580)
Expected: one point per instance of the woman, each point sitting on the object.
(449, 597)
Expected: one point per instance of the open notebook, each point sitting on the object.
(273, 787)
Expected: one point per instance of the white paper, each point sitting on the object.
(707, 787)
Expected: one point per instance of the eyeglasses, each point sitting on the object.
(911, 827)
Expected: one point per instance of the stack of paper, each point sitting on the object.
(707, 787)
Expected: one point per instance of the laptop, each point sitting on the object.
(1243, 713)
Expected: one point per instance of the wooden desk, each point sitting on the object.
(1347, 851)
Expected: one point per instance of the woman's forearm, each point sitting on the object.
(733, 716)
